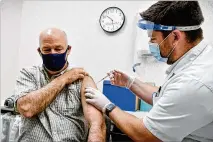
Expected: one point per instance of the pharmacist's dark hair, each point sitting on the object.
(176, 13)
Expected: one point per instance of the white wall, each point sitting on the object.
(207, 9)
(10, 44)
(93, 49)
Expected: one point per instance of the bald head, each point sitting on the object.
(51, 34)
(53, 39)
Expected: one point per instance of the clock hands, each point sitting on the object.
(111, 20)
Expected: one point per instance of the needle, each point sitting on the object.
(101, 79)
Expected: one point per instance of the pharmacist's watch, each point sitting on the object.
(109, 108)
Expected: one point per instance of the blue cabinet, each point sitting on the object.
(120, 96)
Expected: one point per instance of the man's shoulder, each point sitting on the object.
(77, 82)
(186, 84)
(30, 70)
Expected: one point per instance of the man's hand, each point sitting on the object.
(73, 75)
(121, 79)
(96, 98)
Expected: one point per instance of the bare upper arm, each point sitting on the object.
(91, 114)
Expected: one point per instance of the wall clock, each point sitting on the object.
(112, 19)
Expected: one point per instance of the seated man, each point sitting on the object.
(51, 98)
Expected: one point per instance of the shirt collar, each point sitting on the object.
(55, 75)
(187, 58)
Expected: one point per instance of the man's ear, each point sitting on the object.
(39, 50)
(69, 49)
(177, 35)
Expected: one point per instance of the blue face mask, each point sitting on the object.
(155, 51)
(54, 62)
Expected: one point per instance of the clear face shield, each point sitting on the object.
(146, 65)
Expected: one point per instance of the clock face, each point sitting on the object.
(112, 19)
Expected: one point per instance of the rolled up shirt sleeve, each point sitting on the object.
(185, 106)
